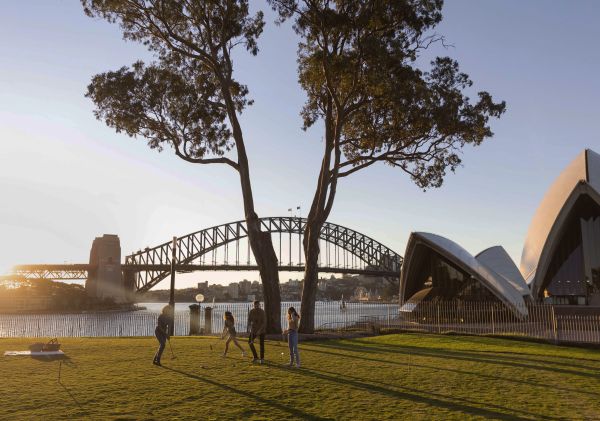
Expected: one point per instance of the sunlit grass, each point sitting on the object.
(406, 376)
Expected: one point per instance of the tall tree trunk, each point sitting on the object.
(264, 253)
(318, 214)
(311, 275)
(319, 211)
(260, 242)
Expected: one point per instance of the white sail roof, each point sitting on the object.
(497, 259)
(585, 167)
(496, 283)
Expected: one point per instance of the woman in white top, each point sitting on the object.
(293, 318)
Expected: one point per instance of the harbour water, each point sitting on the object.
(328, 316)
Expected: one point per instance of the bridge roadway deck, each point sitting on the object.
(82, 269)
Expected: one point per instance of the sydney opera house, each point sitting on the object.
(560, 263)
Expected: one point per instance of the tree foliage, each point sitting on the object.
(188, 97)
(358, 62)
(358, 66)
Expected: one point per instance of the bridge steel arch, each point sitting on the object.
(197, 244)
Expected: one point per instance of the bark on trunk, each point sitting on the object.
(318, 214)
(260, 242)
(264, 253)
(311, 275)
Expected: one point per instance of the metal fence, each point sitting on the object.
(328, 316)
(559, 324)
(553, 323)
(88, 324)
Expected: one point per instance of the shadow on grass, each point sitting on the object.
(462, 372)
(414, 395)
(470, 356)
(482, 342)
(49, 358)
(269, 402)
(73, 398)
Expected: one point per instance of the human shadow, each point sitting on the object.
(73, 398)
(425, 397)
(469, 356)
(270, 402)
(411, 363)
(524, 356)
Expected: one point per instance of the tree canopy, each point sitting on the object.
(188, 96)
(357, 62)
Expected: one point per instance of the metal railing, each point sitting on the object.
(558, 324)
(328, 316)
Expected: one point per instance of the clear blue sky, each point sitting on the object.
(66, 177)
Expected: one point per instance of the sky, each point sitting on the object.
(66, 178)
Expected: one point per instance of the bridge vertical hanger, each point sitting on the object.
(172, 292)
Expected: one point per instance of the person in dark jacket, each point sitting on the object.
(258, 326)
(162, 331)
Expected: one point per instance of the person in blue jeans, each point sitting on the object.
(162, 331)
(293, 318)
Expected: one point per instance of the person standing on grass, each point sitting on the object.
(162, 331)
(292, 331)
(258, 324)
(229, 330)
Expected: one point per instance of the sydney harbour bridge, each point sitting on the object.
(225, 248)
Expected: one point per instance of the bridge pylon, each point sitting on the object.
(105, 278)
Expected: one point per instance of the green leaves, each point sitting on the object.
(188, 98)
(164, 105)
(357, 66)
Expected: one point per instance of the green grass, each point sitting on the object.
(406, 376)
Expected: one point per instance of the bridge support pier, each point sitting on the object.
(105, 281)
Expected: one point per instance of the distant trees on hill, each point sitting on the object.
(46, 295)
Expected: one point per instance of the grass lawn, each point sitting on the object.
(405, 376)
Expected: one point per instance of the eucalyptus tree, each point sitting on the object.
(358, 61)
(187, 99)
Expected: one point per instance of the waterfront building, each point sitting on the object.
(560, 263)
(233, 290)
(561, 255)
(245, 287)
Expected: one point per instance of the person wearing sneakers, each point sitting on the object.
(292, 331)
(230, 332)
(258, 326)
(162, 331)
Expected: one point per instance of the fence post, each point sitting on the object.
(493, 320)
(194, 319)
(208, 320)
(388, 315)
(554, 326)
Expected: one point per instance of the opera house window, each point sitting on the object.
(573, 275)
(440, 280)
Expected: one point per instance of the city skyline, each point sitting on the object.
(67, 178)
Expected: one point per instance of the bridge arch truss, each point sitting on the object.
(149, 265)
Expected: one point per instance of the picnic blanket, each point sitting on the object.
(33, 353)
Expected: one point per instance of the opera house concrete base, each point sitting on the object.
(560, 262)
